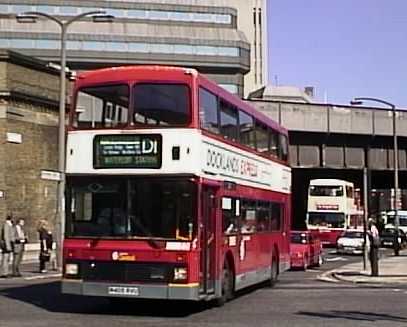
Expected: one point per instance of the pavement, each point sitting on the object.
(30, 265)
(392, 271)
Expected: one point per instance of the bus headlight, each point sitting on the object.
(180, 274)
(71, 269)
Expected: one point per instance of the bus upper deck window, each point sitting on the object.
(161, 104)
(102, 106)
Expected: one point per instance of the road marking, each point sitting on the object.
(336, 259)
(43, 276)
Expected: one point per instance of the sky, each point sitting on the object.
(344, 48)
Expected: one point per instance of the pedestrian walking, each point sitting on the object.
(20, 240)
(46, 241)
(7, 243)
(374, 248)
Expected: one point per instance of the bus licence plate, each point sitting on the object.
(121, 290)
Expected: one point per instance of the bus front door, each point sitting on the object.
(207, 239)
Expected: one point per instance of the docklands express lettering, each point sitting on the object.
(230, 163)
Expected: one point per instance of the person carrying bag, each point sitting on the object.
(45, 237)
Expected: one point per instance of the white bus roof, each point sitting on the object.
(329, 181)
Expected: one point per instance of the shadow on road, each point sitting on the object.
(48, 297)
(353, 315)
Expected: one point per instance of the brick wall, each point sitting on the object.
(26, 194)
(29, 196)
(29, 81)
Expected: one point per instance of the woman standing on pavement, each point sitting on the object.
(46, 241)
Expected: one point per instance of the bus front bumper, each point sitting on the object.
(139, 291)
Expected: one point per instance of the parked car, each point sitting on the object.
(387, 238)
(351, 242)
(305, 250)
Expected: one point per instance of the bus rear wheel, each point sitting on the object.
(227, 285)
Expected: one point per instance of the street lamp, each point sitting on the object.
(32, 17)
(359, 101)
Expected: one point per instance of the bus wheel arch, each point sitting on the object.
(227, 280)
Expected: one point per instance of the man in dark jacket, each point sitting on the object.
(374, 239)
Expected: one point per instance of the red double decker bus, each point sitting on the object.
(176, 189)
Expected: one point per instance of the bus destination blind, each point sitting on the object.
(127, 151)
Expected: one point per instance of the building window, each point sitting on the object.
(67, 10)
(47, 44)
(132, 47)
(232, 88)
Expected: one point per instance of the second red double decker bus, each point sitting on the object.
(176, 189)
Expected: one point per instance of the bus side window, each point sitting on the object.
(262, 216)
(283, 147)
(276, 211)
(228, 121)
(262, 138)
(230, 215)
(246, 130)
(274, 143)
(248, 217)
(208, 111)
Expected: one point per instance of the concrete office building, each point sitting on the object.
(213, 36)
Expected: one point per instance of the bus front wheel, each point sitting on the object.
(274, 271)
(227, 285)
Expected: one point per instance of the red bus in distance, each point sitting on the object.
(176, 189)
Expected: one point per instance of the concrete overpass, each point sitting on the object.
(337, 141)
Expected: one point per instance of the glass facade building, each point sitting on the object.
(170, 32)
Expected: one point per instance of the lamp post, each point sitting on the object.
(32, 17)
(359, 101)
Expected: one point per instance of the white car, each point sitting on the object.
(351, 241)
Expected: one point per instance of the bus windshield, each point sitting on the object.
(161, 104)
(402, 220)
(326, 219)
(325, 190)
(353, 234)
(299, 238)
(131, 207)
